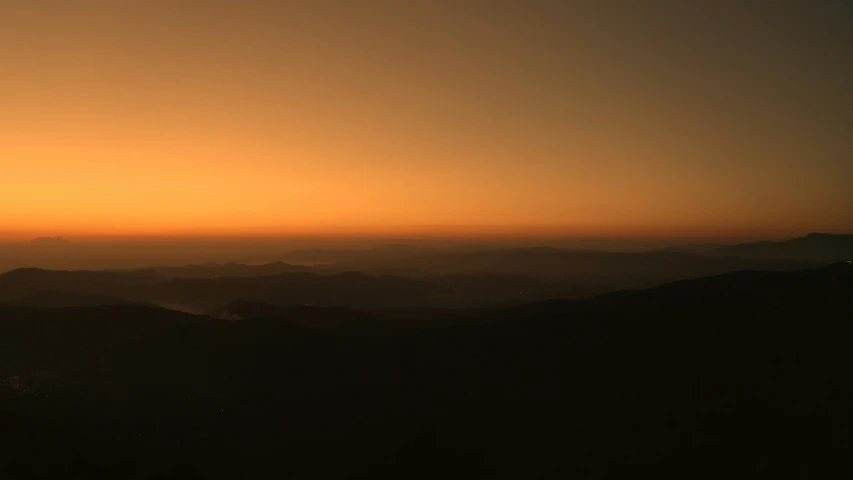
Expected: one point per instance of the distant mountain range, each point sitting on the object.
(488, 278)
(217, 270)
(740, 375)
(29, 281)
(50, 299)
(817, 247)
(346, 289)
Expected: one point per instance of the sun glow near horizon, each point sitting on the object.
(132, 118)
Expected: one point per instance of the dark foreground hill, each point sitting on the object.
(737, 376)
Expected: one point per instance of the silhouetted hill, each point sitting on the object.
(433, 278)
(373, 322)
(623, 269)
(496, 289)
(822, 247)
(740, 375)
(588, 268)
(695, 248)
(27, 281)
(327, 319)
(347, 289)
(216, 270)
(214, 286)
(362, 291)
(65, 299)
(352, 256)
(726, 290)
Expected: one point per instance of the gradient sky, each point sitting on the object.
(210, 117)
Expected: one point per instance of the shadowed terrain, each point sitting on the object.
(740, 375)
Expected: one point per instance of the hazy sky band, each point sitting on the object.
(267, 117)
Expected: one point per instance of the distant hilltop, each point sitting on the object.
(50, 241)
(825, 247)
(817, 247)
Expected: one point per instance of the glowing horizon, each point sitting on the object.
(430, 118)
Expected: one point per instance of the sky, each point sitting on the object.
(370, 117)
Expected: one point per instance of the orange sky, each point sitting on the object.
(256, 117)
